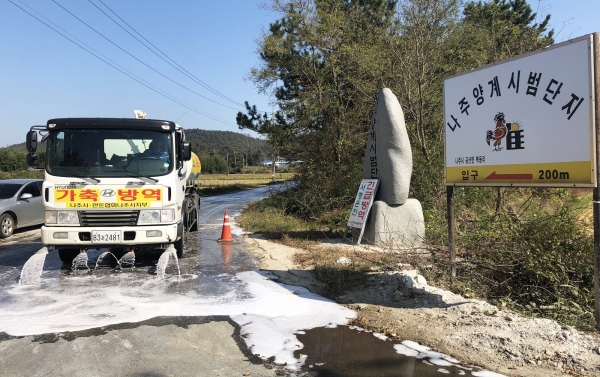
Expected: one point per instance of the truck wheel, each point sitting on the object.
(179, 247)
(190, 214)
(67, 255)
(7, 225)
(194, 219)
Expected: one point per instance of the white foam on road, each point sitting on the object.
(414, 349)
(269, 314)
(487, 373)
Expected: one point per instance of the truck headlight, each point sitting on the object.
(67, 217)
(61, 217)
(149, 216)
(155, 216)
(167, 215)
(50, 217)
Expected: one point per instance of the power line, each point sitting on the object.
(185, 72)
(121, 67)
(128, 53)
(123, 71)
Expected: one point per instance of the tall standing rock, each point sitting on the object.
(388, 156)
(395, 222)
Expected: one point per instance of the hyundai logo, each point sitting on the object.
(107, 193)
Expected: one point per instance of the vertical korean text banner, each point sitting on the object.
(527, 121)
(362, 203)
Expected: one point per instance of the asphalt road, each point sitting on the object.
(112, 322)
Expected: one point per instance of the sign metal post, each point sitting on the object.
(596, 198)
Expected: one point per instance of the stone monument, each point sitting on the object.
(395, 221)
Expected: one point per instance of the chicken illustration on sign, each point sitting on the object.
(510, 131)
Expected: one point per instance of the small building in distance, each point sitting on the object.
(281, 163)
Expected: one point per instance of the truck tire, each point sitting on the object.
(179, 248)
(195, 217)
(190, 214)
(67, 255)
(7, 225)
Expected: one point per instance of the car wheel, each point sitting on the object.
(7, 225)
(67, 255)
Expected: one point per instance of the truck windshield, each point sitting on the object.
(109, 153)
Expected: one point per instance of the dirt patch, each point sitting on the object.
(403, 306)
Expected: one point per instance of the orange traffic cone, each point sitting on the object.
(226, 233)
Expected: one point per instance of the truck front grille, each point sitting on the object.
(108, 218)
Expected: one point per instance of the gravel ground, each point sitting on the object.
(402, 305)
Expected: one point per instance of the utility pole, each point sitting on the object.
(273, 166)
(596, 192)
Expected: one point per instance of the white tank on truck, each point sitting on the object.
(116, 183)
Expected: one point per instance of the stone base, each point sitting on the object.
(395, 227)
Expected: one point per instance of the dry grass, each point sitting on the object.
(342, 268)
(582, 198)
(323, 248)
(245, 180)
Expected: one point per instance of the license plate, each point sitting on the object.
(106, 236)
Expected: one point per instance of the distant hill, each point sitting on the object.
(220, 142)
(16, 147)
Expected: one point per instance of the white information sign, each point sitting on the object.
(362, 204)
(528, 121)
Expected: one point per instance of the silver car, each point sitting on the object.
(20, 204)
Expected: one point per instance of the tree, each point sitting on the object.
(323, 64)
(424, 38)
(509, 26)
(275, 128)
(213, 165)
(13, 160)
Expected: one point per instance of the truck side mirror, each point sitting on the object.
(186, 151)
(31, 143)
(32, 159)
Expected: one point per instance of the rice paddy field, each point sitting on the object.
(215, 183)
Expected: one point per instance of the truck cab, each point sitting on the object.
(115, 183)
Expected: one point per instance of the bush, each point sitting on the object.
(214, 165)
(533, 254)
(35, 174)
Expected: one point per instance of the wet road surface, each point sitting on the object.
(219, 316)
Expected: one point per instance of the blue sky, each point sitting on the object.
(43, 75)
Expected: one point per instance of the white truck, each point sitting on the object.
(118, 183)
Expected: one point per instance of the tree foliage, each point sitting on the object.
(214, 165)
(324, 62)
(508, 27)
(16, 159)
